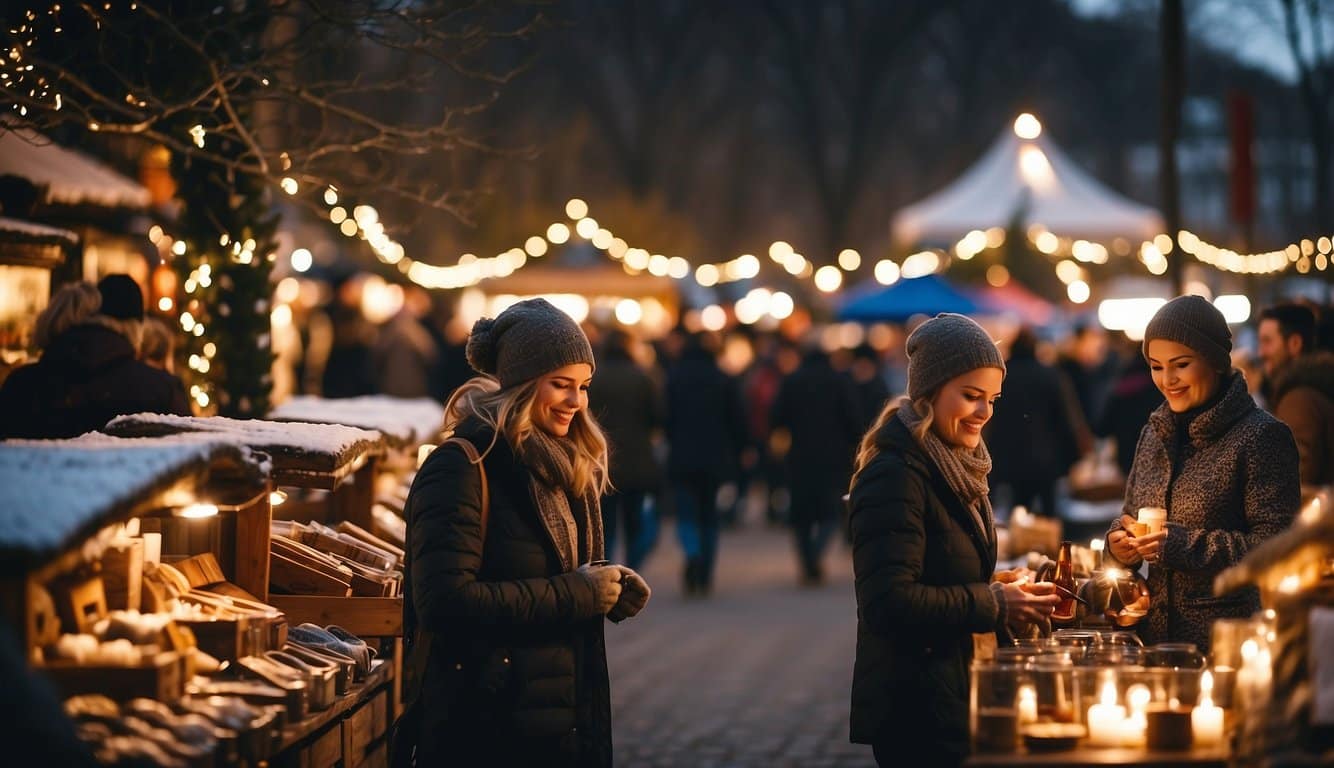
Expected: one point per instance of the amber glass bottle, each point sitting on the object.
(1065, 582)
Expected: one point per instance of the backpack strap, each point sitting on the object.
(475, 459)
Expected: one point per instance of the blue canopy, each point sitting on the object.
(926, 295)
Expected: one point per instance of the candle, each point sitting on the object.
(1169, 727)
(1105, 719)
(152, 548)
(1132, 732)
(1028, 704)
(1206, 720)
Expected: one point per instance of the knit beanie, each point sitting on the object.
(1194, 322)
(121, 297)
(527, 340)
(946, 346)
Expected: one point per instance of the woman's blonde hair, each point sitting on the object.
(74, 304)
(870, 448)
(510, 412)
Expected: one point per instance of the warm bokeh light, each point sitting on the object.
(1236, 308)
(302, 260)
(586, 227)
(1078, 291)
(886, 272)
(576, 209)
(713, 318)
(779, 251)
(558, 233)
(997, 275)
(1026, 126)
(628, 312)
(849, 260)
(707, 275)
(828, 278)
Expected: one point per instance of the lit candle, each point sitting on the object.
(1206, 720)
(1133, 729)
(1105, 719)
(1028, 704)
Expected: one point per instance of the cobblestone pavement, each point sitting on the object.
(757, 674)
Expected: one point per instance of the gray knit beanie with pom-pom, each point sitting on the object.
(528, 339)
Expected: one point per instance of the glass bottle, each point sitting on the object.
(1064, 612)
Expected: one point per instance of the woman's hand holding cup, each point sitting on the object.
(1122, 542)
(606, 582)
(1029, 602)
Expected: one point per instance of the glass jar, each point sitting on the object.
(1007, 698)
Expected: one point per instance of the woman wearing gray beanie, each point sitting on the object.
(506, 595)
(924, 549)
(1225, 471)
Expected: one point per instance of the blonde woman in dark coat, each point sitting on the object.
(513, 670)
(924, 551)
(1225, 471)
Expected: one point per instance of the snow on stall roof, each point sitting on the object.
(36, 231)
(333, 445)
(53, 490)
(69, 176)
(406, 420)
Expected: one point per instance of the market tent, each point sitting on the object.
(1031, 178)
(68, 177)
(1014, 300)
(926, 295)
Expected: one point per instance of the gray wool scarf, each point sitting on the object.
(965, 470)
(550, 461)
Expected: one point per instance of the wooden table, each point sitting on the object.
(1101, 758)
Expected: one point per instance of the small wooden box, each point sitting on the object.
(223, 638)
(160, 677)
(81, 603)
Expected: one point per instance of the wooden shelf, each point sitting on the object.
(380, 675)
(362, 616)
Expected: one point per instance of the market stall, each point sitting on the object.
(124, 565)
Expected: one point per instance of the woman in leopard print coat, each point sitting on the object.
(1226, 471)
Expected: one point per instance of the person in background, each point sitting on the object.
(89, 371)
(628, 405)
(1031, 432)
(924, 550)
(506, 620)
(819, 409)
(405, 355)
(1225, 471)
(1300, 387)
(1129, 402)
(706, 431)
(159, 345)
(869, 381)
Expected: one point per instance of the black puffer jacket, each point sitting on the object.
(922, 570)
(516, 673)
(85, 378)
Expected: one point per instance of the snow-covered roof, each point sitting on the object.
(1029, 176)
(410, 421)
(52, 492)
(70, 177)
(39, 233)
(306, 447)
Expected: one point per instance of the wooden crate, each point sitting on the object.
(362, 616)
(160, 677)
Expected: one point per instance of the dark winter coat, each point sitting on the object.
(818, 407)
(706, 422)
(517, 672)
(1030, 435)
(922, 570)
(1304, 400)
(628, 405)
(1228, 482)
(85, 378)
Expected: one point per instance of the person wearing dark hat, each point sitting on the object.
(89, 372)
(924, 550)
(1225, 471)
(505, 596)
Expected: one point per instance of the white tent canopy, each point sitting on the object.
(1032, 176)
